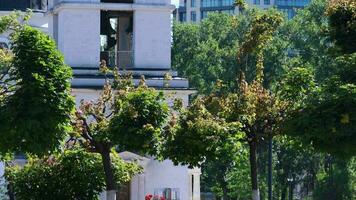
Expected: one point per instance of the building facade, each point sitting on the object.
(197, 10)
(134, 35)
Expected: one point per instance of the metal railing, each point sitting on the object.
(121, 59)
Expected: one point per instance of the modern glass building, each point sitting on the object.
(291, 6)
(22, 5)
(196, 10)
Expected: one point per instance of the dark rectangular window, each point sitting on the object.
(192, 3)
(267, 2)
(182, 16)
(193, 16)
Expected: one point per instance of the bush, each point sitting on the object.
(73, 175)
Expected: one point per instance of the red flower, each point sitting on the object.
(148, 197)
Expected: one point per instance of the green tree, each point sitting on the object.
(35, 112)
(124, 117)
(213, 44)
(326, 118)
(73, 174)
(248, 114)
(342, 21)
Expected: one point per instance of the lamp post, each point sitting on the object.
(270, 143)
(290, 181)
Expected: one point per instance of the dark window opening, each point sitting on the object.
(116, 36)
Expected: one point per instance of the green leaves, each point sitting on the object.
(136, 126)
(342, 21)
(199, 136)
(74, 174)
(35, 117)
(214, 43)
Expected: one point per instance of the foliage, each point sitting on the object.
(141, 114)
(334, 182)
(228, 175)
(326, 119)
(308, 40)
(213, 42)
(74, 174)
(222, 120)
(204, 133)
(125, 117)
(35, 113)
(342, 20)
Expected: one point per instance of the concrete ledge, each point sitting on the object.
(111, 6)
(134, 72)
(151, 82)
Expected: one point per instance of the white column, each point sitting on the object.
(198, 5)
(78, 33)
(152, 38)
(196, 186)
(189, 10)
(141, 186)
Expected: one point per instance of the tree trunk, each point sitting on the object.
(111, 187)
(291, 191)
(284, 192)
(225, 191)
(253, 165)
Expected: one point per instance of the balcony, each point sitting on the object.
(116, 38)
(10, 5)
(120, 59)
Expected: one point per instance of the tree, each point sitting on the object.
(124, 117)
(326, 118)
(213, 42)
(73, 174)
(342, 21)
(35, 111)
(248, 114)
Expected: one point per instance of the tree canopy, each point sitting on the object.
(35, 102)
(73, 174)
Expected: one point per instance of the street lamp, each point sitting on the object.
(290, 181)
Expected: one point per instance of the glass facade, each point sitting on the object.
(193, 16)
(256, 2)
(192, 3)
(297, 3)
(216, 3)
(182, 16)
(290, 7)
(9, 5)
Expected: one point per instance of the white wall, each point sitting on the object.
(79, 36)
(159, 175)
(157, 2)
(152, 38)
